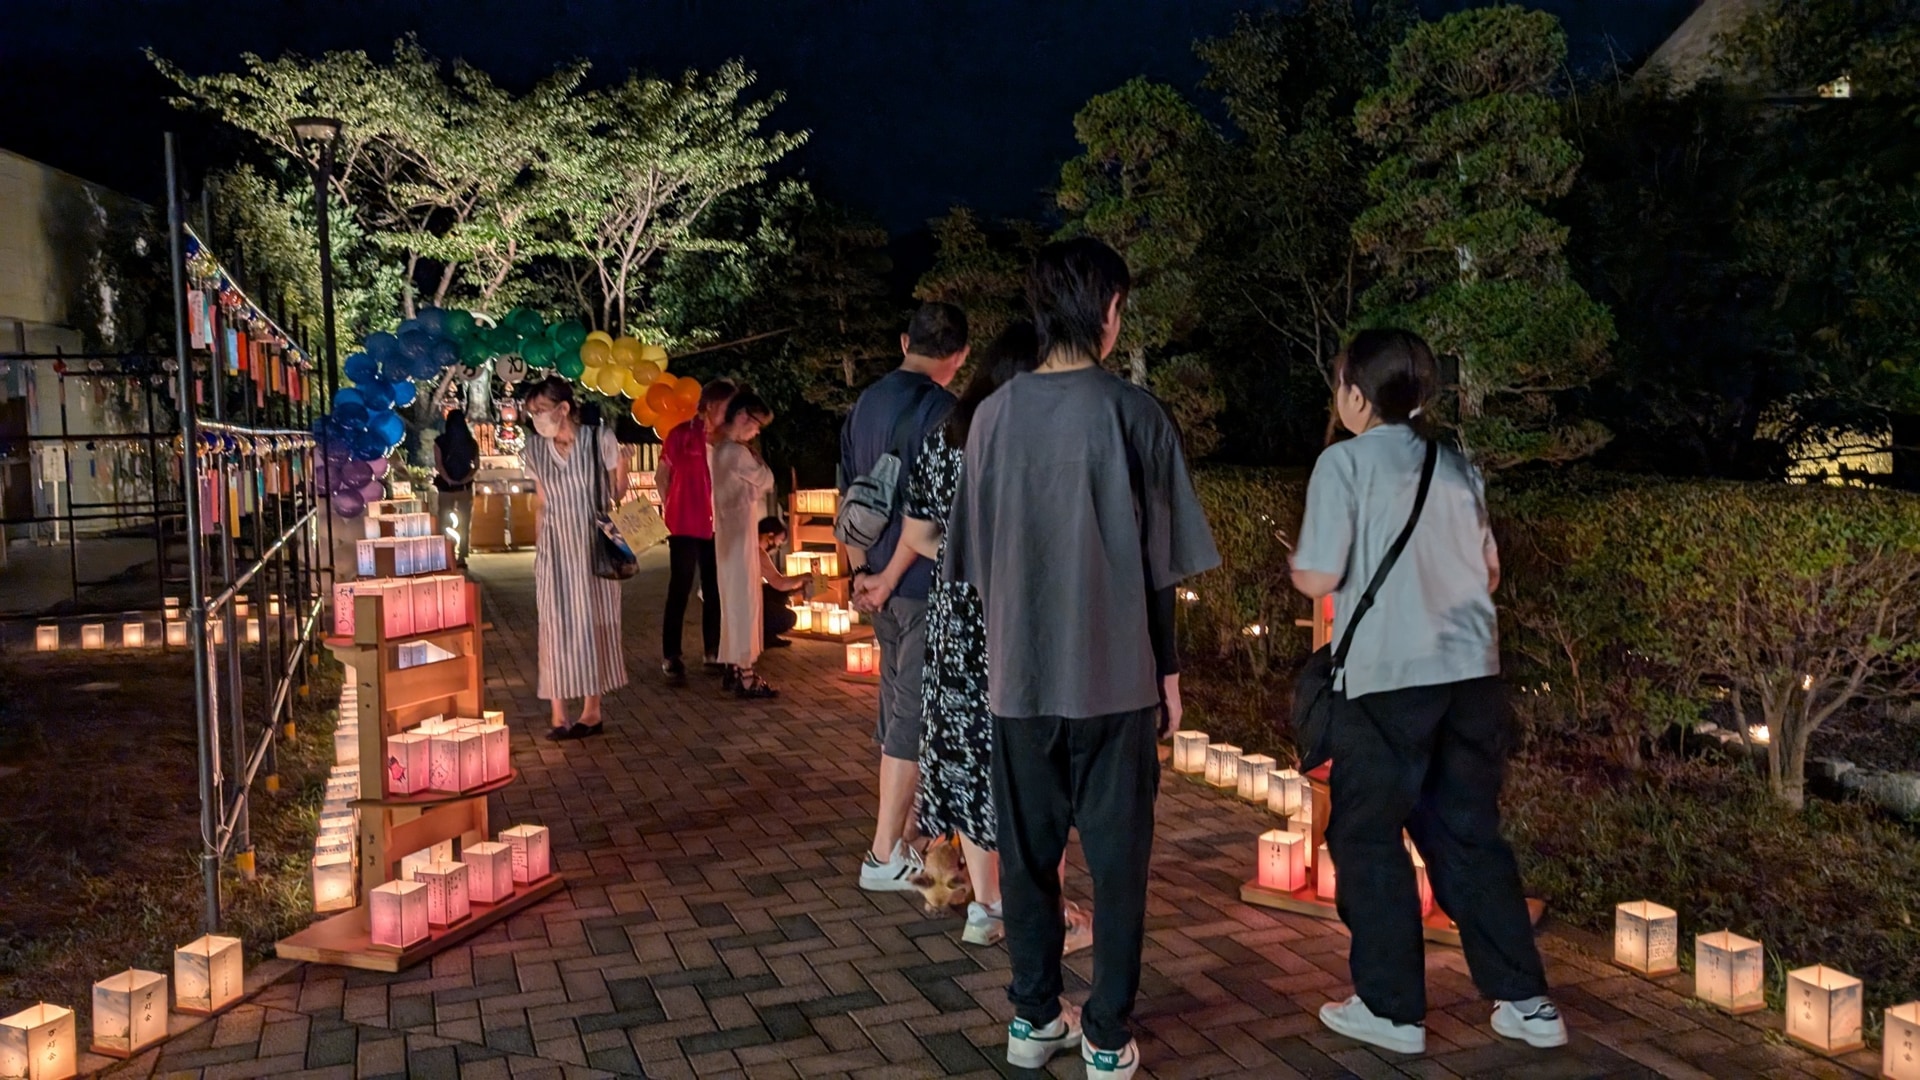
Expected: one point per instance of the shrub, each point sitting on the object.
(1253, 513)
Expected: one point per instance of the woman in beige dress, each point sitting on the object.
(741, 483)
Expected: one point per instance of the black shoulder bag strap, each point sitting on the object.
(1365, 603)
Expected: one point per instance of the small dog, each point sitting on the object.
(943, 881)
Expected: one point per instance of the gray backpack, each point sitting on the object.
(872, 501)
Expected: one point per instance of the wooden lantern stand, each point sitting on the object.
(812, 530)
(1436, 926)
(393, 699)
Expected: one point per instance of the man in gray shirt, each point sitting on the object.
(1074, 519)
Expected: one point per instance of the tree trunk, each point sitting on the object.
(1793, 782)
(1137, 365)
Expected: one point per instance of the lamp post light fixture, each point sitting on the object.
(323, 133)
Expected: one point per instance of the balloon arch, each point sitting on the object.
(362, 427)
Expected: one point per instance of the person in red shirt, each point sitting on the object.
(686, 494)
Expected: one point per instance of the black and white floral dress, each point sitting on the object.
(956, 751)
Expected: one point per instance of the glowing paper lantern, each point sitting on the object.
(496, 752)
(799, 564)
(397, 912)
(1900, 1059)
(1189, 752)
(240, 607)
(489, 872)
(209, 974)
(802, 616)
(456, 761)
(407, 763)
(1323, 875)
(346, 743)
(1824, 1009)
(1286, 791)
(1421, 881)
(1646, 938)
(1223, 765)
(93, 635)
(425, 597)
(38, 1044)
(1729, 972)
(1282, 860)
(532, 855)
(446, 884)
(862, 658)
(176, 633)
(839, 621)
(333, 879)
(253, 631)
(453, 601)
(1253, 778)
(46, 638)
(133, 635)
(129, 1012)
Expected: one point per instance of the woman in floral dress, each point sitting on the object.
(956, 750)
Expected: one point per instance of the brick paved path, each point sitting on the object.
(711, 928)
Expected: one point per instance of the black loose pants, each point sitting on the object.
(688, 556)
(1100, 775)
(1429, 760)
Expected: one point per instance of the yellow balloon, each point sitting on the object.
(631, 386)
(645, 372)
(654, 355)
(590, 376)
(626, 351)
(596, 353)
(601, 335)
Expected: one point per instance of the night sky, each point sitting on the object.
(914, 105)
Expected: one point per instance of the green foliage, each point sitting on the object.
(982, 270)
(1465, 254)
(1252, 512)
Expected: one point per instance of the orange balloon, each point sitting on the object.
(642, 415)
(660, 398)
(595, 353)
(687, 392)
(664, 427)
(645, 372)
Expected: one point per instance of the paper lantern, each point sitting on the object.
(412, 864)
(839, 621)
(1824, 1009)
(253, 631)
(1286, 791)
(273, 606)
(407, 763)
(1301, 821)
(333, 880)
(240, 606)
(425, 594)
(343, 594)
(1729, 972)
(1421, 882)
(1646, 938)
(453, 601)
(93, 635)
(38, 1044)
(1255, 769)
(129, 1012)
(46, 638)
(496, 752)
(397, 912)
(1282, 860)
(446, 884)
(173, 607)
(209, 974)
(802, 616)
(532, 858)
(489, 872)
(1900, 1057)
(346, 743)
(492, 716)
(1190, 752)
(176, 633)
(861, 659)
(1323, 876)
(799, 564)
(456, 761)
(1223, 765)
(396, 608)
(217, 630)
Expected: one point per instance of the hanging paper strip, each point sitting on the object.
(200, 319)
(233, 503)
(233, 351)
(210, 490)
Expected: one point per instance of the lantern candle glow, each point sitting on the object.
(133, 635)
(93, 635)
(532, 858)
(1824, 1009)
(38, 1044)
(1900, 1060)
(802, 616)
(176, 633)
(1646, 938)
(129, 1012)
(839, 621)
(46, 638)
(496, 751)
(407, 765)
(1190, 752)
(489, 872)
(397, 912)
(1324, 881)
(1223, 765)
(446, 884)
(209, 974)
(333, 879)
(1254, 775)
(1283, 861)
(1421, 881)
(1729, 972)
(861, 659)
(1286, 789)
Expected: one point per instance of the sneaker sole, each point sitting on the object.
(1371, 1038)
(975, 936)
(1123, 1073)
(1035, 1053)
(1550, 1041)
(886, 885)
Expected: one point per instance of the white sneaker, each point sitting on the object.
(894, 875)
(1353, 1019)
(1079, 929)
(1029, 1047)
(984, 925)
(1111, 1064)
(1539, 1026)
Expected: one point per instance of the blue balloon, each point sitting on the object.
(407, 326)
(319, 426)
(351, 415)
(349, 395)
(433, 321)
(389, 427)
(415, 342)
(382, 345)
(368, 445)
(404, 394)
(396, 368)
(445, 353)
(378, 395)
(361, 368)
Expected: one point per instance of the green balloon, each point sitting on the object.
(538, 360)
(571, 366)
(502, 341)
(526, 322)
(475, 351)
(460, 324)
(538, 349)
(569, 335)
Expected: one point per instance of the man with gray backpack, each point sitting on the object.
(878, 444)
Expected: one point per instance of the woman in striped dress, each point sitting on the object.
(579, 612)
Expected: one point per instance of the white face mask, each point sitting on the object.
(547, 424)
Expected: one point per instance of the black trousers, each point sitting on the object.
(775, 617)
(688, 556)
(1429, 760)
(1100, 775)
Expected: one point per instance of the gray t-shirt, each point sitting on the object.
(1433, 621)
(1074, 502)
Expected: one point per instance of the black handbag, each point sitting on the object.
(613, 557)
(1314, 690)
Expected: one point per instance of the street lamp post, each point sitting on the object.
(323, 132)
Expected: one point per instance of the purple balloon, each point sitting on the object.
(349, 504)
(373, 492)
(355, 474)
(379, 467)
